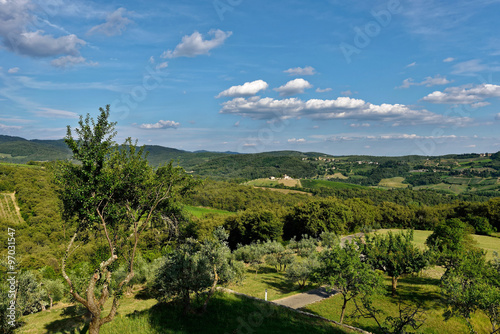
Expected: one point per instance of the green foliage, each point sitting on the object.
(316, 216)
(329, 239)
(194, 267)
(470, 286)
(300, 271)
(343, 270)
(305, 246)
(395, 254)
(30, 295)
(247, 227)
(450, 237)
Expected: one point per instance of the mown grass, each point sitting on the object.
(393, 182)
(267, 278)
(226, 313)
(489, 244)
(411, 290)
(315, 184)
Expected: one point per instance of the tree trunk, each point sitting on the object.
(212, 290)
(187, 302)
(343, 311)
(394, 285)
(95, 325)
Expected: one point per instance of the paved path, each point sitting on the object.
(305, 298)
(316, 295)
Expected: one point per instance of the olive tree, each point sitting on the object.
(395, 254)
(110, 196)
(343, 269)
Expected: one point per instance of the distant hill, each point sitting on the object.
(451, 172)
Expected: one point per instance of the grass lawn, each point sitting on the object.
(267, 278)
(423, 289)
(489, 244)
(226, 313)
(315, 184)
(201, 211)
(393, 182)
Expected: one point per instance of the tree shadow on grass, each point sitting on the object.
(228, 313)
(75, 320)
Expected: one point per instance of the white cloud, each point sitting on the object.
(497, 117)
(472, 67)
(162, 65)
(16, 19)
(68, 61)
(428, 82)
(319, 90)
(13, 70)
(396, 136)
(296, 86)
(115, 24)
(448, 60)
(161, 124)
(36, 44)
(297, 141)
(471, 146)
(194, 45)
(308, 70)
(411, 65)
(357, 125)
(55, 113)
(247, 89)
(479, 104)
(4, 127)
(340, 108)
(348, 93)
(464, 95)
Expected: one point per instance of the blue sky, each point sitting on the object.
(386, 77)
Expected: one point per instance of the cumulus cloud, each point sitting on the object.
(497, 117)
(36, 44)
(296, 141)
(340, 108)
(464, 94)
(15, 21)
(319, 90)
(296, 86)
(13, 70)
(308, 70)
(411, 65)
(115, 24)
(161, 124)
(448, 60)
(428, 82)
(194, 44)
(247, 89)
(68, 61)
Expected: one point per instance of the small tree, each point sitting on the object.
(301, 271)
(194, 267)
(111, 197)
(395, 254)
(472, 285)
(343, 270)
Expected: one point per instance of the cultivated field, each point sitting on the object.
(9, 211)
